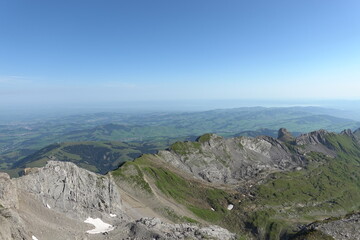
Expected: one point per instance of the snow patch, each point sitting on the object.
(34, 238)
(48, 206)
(100, 226)
(230, 206)
(112, 215)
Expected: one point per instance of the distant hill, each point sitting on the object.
(99, 157)
(231, 122)
(162, 129)
(262, 132)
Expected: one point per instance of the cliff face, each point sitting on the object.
(54, 200)
(344, 228)
(10, 222)
(68, 188)
(8, 192)
(357, 135)
(284, 135)
(215, 159)
(316, 142)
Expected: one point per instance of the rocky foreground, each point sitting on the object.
(54, 201)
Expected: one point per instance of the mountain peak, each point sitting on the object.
(347, 132)
(63, 180)
(314, 137)
(357, 134)
(208, 137)
(284, 135)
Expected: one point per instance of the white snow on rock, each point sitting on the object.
(230, 206)
(34, 238)
(48, 206)
(100, 226)
(112, 215)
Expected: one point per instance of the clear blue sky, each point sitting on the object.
(73, 51)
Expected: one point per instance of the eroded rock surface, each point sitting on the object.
(357, 134)
(68, 188)
(343, 229)
(11, 226)
(8, 192)
(316, 141)
(221, 160)
(153, 228)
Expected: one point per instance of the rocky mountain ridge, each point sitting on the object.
(42, 203)
(281, 179)
(220, 160)
(182, 192)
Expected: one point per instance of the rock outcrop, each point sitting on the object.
(312, 138)
(342, 229)
(219, 160)
(8, 192)
(68, 188)
(153, 228)
(348, 133)
(316, 142)
(284, 135)
(11, 226)
(357, 135)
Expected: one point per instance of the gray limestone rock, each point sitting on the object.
(11, 226)
(221, 160)
(316, 141)
(312, 138)
(68, 188)
(342, 229)
(153, 228)
(8, 193)
(357, 135)
(347, 132)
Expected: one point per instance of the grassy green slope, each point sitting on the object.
(197, 197)
(326, 187)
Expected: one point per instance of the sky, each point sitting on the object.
(98, 51)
